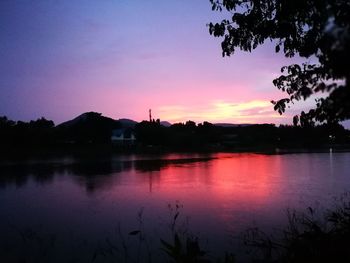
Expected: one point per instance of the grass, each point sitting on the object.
(310, 236)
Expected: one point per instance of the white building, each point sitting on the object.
(123, 136)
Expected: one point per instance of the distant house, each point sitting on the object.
(123, 136)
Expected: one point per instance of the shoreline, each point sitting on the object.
(100, 152)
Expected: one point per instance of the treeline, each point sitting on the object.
(87, 129)
(208, 136)
(91, 129)
(36, 132)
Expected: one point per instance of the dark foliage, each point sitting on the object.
(308, 237)
(26, 133)
(26, 137)
(319, 30)
(91, 132)
(206, 136)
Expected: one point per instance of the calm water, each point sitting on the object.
(83, 209)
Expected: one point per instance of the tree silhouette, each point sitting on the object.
(317, 29)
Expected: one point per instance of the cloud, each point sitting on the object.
(254, 111)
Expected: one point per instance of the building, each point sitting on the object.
(124, 136)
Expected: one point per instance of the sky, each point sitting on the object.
(60, 58)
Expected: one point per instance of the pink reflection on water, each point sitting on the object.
(230, 189)
(220, 193)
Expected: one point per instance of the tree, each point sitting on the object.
(317, 29)
(41, 123)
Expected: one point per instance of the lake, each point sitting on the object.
(82, 209)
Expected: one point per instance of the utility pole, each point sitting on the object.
(150, 115)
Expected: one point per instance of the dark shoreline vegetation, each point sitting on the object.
(310, 236)
(91, 132)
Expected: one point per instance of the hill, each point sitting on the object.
(165, 123)
(127, 123)
(87, 127)
(232, 125)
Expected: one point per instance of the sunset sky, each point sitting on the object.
(59, 59)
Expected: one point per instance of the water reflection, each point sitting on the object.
(19, 174)
(221, 193)
(93, 173)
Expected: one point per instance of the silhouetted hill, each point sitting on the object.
(232, 125)
(127, 123)
(87, 127)
(85, 118)
(165, 123)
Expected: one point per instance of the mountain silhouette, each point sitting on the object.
(232, 125)
(86, 118)
(165, 123)
(88, 127)
(127, 123)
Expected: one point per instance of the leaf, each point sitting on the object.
(277, 48)
(177, 242)
(94, 256)
(167, 245)
(133, 233)
(176, 215)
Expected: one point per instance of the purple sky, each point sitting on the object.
(120, 57)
